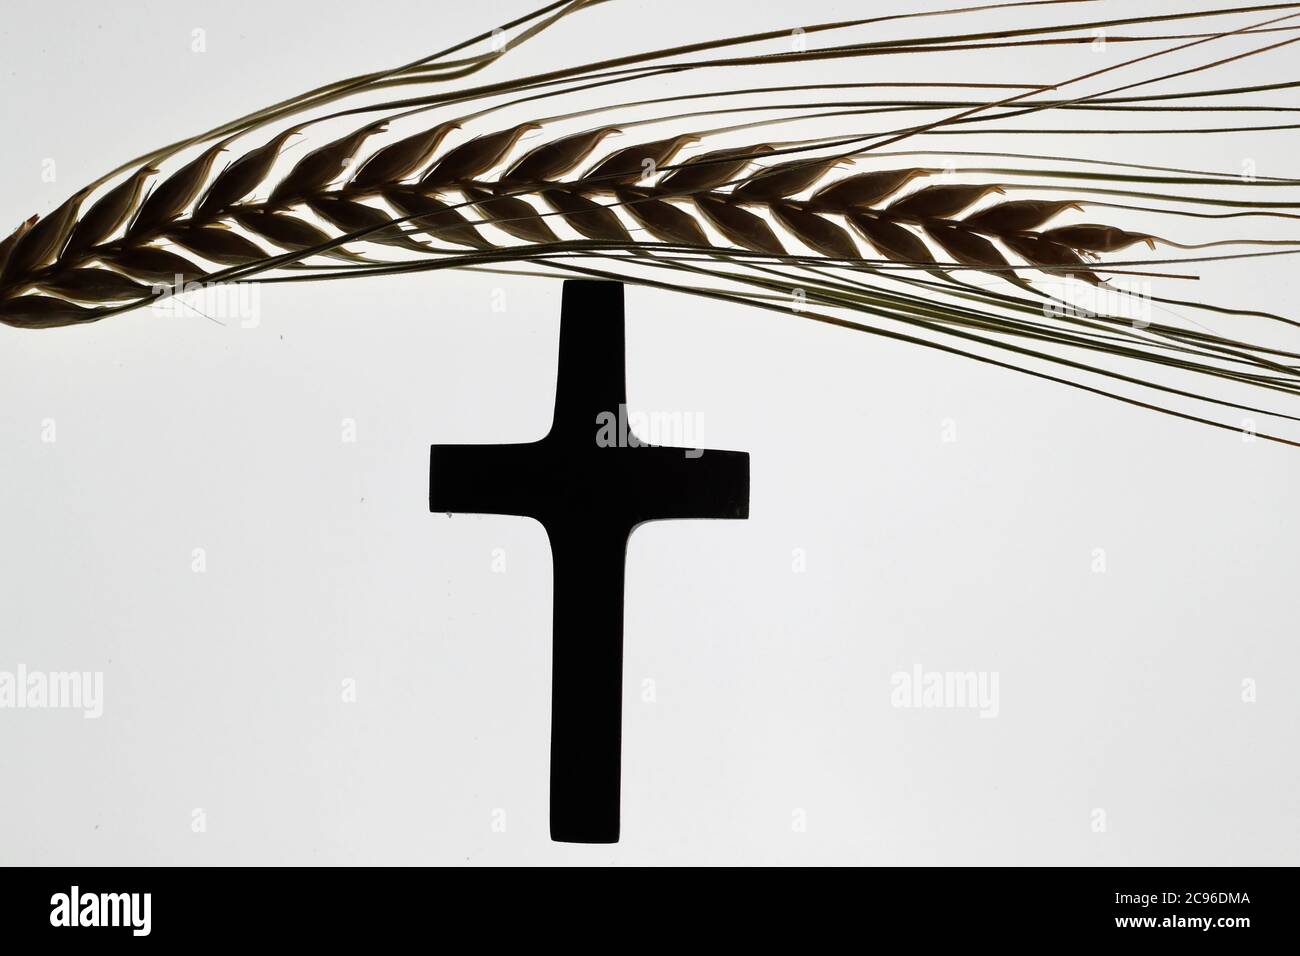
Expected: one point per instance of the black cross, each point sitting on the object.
(589, 496)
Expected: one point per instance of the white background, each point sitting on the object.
(1119, 691)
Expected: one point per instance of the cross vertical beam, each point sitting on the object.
(589, 497)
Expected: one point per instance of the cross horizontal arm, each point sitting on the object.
(670, 483)
(483, 479)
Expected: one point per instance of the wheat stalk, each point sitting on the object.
(882, 240)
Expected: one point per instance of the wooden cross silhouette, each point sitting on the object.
(589, 496)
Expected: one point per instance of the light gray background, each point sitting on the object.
(1119, 691)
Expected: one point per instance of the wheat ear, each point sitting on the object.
(881, 240)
